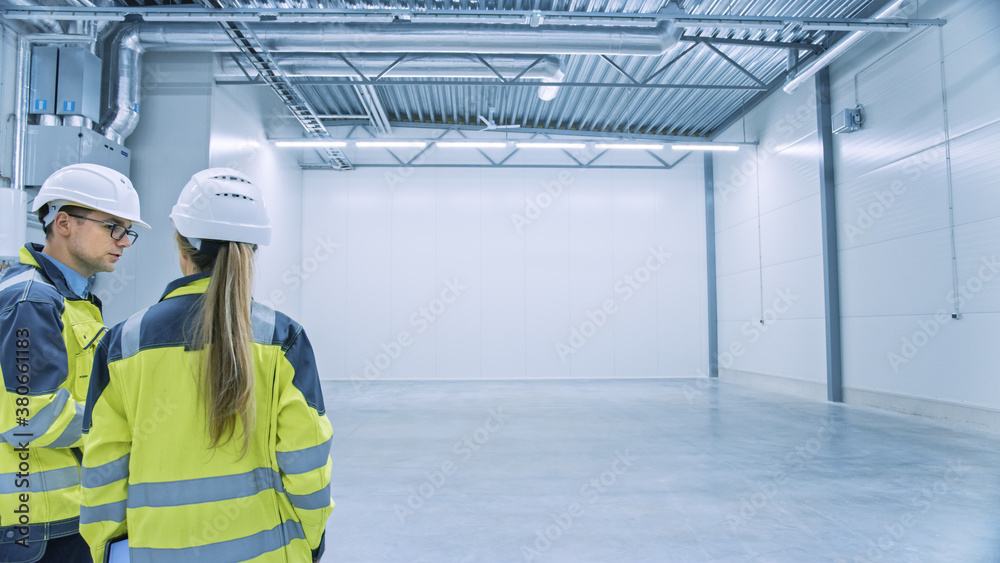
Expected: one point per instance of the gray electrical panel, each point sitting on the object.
(44, 63)
(49, 148)
(78, 86)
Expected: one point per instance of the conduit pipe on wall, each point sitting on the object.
(356, 38)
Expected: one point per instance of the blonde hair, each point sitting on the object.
(225, 337)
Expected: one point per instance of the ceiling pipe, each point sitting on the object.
(837, 49)
(403, 37)
(130, 43)
(47, 26)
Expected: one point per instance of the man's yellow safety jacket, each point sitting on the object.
(48, 336)
(148, 470)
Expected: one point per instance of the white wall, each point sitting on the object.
(895, 248)
(403, 235)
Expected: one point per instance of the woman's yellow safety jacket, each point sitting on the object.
(148, 470)
(48, 335)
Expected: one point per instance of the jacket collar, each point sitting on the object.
(193, 284)
(31, 255)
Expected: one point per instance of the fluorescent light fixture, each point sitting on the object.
(392, 144)
(551, 145)
(634, 146)
(471, 144)
(317, 143)
(705, 147)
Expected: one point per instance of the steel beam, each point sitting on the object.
(752, 43)
(388, 82)
(831, 267)
(713, 297)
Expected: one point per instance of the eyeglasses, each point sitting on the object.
(117, 231)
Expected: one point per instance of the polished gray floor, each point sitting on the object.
(649, 470)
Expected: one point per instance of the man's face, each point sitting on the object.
(91, 244)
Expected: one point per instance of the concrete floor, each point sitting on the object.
(649, 470)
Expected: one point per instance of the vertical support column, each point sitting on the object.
(831, 267)
(713, 302)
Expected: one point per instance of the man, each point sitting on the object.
(50, 324)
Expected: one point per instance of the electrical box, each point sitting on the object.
(44, 64)
(78, 84)
(49, 148)
(847, 120)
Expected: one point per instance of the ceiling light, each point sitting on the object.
(551, 145)
(392, 144)
(317, 143)
(471, 144)
(706, 147)
(635, 146)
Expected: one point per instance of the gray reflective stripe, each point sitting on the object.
(73, 431)
(262, 323)
(304, 460)
(23, 277)
(131, 334)
(239, 549)
(94, 477)
(312, 501)
(40, 482)
(111, 512)
(206, 489)
(40, 424)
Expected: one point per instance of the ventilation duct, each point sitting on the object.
(366, 38)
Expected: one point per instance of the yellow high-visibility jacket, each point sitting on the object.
(48, 336)
(148, 470)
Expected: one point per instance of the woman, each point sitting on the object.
(207, 438)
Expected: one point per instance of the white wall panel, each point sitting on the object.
(737, 249)
(978, 246)
(369, 282)
(324, 315)
(905, 276)
(739, 296)
(547, 281)
(905, 198)
(790, 232)
(682, 283)
(504, 305)
(735, 188)
(635, 326)
(592, 270)
(976, 174)
(790, 175)
(458, 268)
(794, 290)
(972, 73)
(414, 252)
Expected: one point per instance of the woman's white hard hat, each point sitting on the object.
(221, 204)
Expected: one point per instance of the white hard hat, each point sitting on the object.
(221, 204)
(89, 185)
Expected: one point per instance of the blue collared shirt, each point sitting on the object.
(76, 283)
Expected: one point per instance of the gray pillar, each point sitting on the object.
(713, 310)
(831, 268)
